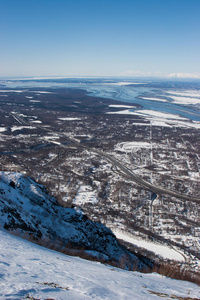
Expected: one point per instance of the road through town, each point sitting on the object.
(136, 178)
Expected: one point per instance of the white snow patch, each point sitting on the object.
(36, 121)
(153, 99)
(69, 119)
(160, 118)
(194, 175)
(149, 113)
(121, 106)
(160, 124)
(49, 137)
(11, 91)
(54, 142)
(185, 100)
(34, 101)
(21, 115)
(161, 115)
(141, 124)
(125, 83)
(52, 155)
(185, 96)
(190, 93)
(14, 128)
(161, 250)
(41, 92)
(121, 83)
(122, 112)
(85, 195)
(3, 129)
(129, 146)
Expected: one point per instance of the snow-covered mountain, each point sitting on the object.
(29, 211)
(29, 271)
(184, 75)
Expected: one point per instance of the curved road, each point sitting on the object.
(155, 189)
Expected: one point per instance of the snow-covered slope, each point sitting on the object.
(26, 207)
(30, 271)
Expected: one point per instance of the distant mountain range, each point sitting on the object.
(184, 75)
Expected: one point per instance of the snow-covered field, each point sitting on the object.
(36, 121)
(190, 93)
(151, 113)
(11, 91)
(161, 250)
(129, 146)
(50, 137)
(153, 99)
(160, 118)
(3, 129)
(121, 83)
(28, 270)
(185, 96)
(121, 106)
(178, 97)
(42, 92)
(185, 100)
(68, 119)
(85, 195)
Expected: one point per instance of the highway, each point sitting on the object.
(131, 175)
(136, 178)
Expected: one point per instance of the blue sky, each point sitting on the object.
(99, 37)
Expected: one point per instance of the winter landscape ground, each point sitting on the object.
(29, 271)
(123, 152)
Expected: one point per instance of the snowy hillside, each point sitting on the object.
(30, 271)
(31, 212)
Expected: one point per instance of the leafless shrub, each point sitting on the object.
(176, 271)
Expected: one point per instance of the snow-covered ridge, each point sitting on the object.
(29, 271)
(26, 206)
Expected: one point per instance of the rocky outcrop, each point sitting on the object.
(26, 207)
